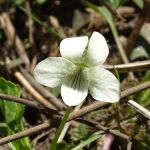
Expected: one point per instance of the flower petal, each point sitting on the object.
(97, 50)
(74, 89)
(73, 48)
(52, 70)
(103, 85)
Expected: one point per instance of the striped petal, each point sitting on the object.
(74, 89)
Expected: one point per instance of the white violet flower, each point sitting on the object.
(79, 70)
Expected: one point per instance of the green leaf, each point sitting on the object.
(139, 3)
(12, 114)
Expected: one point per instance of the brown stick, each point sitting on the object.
(24, 133)
(125, 68)
(19, 100)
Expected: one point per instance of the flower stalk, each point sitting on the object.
(61, 126)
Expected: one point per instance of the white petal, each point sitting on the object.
(97, 50)
(74, 89)
(51, 71)
(103, 85)
(73, 48)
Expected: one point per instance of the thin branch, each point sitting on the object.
(25, 133)
(19, 100)
(135, 89)
(125, 68)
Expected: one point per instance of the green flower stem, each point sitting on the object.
(61, 126)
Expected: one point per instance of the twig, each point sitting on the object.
(19, 100)
(135, 89)
(139, 108)
(12, 37)
(125, 68)
(25, 133)
(55, 101)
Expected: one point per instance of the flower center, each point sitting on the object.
(82, 64)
